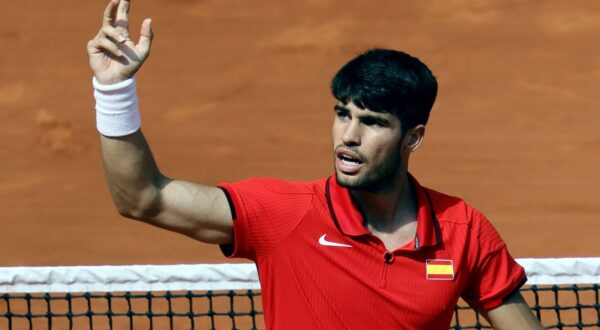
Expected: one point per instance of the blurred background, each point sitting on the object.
(238, 89)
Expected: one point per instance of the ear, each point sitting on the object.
(414, 137)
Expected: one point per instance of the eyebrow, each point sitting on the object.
(340, 108)
(378, 119)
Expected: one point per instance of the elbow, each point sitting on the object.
(130, 212)
(140, 206)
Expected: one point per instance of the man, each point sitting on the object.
(368, 248)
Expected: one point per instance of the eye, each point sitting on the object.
(342, 114)
(368, 121)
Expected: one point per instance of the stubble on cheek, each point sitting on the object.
(382, 177)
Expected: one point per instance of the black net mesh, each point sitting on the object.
(558, 307)
(149, 310)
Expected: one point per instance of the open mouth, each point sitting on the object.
(347, 161)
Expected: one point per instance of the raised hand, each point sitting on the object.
(113, 56)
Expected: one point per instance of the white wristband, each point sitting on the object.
(117, 111)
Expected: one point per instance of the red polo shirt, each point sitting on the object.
(320, 268)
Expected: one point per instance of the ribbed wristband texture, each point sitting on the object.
(117, 111)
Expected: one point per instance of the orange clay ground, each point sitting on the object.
(235, 89)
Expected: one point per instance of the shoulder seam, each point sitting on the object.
(304, 185)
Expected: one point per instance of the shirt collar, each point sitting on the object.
(350, 221)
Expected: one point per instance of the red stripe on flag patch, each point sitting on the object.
(439, 262)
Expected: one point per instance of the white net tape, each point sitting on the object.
(227, 276)
(129, 278)
(559, 271)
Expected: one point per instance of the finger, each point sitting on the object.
(114, 33)
(104, 45)
(146, 36)
(123, 14)
(110, 13)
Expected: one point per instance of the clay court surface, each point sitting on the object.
(237, 89)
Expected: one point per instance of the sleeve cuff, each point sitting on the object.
(238, 248)
(498, 299)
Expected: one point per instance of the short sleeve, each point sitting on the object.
(265, 212)
(495, 274)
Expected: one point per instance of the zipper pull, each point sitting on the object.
(388, 257)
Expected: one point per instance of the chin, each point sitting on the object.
(363, 183)
(355, 182)
(345, 180)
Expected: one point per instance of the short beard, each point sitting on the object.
(380, 179)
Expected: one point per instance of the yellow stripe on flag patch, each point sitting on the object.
(439, 269)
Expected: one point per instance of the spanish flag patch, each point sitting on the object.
(439, 269)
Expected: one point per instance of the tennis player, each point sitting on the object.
(367, 248)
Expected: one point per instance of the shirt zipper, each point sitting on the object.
(388, 258)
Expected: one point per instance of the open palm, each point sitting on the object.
(113, 56)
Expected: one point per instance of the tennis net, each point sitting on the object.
(563, 294)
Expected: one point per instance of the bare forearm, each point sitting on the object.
(514, 313)
(133, 178)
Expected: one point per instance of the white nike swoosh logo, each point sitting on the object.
(325, 242)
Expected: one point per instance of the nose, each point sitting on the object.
(352, 133)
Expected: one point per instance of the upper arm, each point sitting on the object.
(198, 211)
(141, 192)
(493, 272)
(266, 212)
(513, 313)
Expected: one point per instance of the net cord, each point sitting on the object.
(204, 277)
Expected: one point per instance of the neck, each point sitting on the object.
(387, 210)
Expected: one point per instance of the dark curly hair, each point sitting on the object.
(391, 81)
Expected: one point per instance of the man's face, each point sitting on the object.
(367, 148)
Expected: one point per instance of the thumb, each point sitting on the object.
(146, 35)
